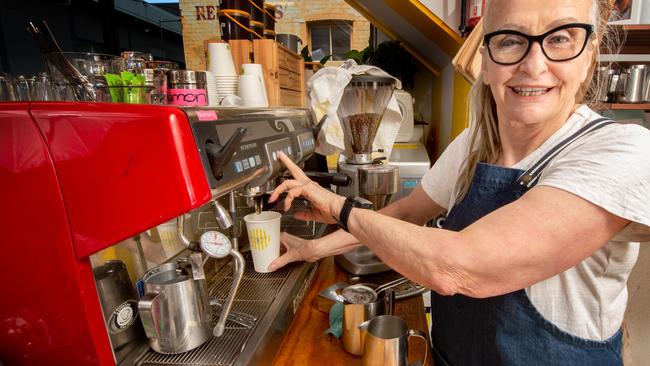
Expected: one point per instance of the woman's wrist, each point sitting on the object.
(336, 205)
(313, 251)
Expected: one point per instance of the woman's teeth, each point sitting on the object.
(530, 92)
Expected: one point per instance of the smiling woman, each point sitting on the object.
(546, 203)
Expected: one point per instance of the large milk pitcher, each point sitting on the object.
(386, 341)
(362, 303)
(175, 309)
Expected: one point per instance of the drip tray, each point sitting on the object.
(273, 298)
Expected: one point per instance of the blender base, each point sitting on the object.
(361, 261)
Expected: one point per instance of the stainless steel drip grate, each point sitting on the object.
(256, 293)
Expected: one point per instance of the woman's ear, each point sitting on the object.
(484, 58)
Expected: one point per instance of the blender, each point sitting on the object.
(361, 110)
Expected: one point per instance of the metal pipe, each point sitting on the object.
(224, 220)
(180, 227)
(226, 188)
(227, 305)
(235, 221)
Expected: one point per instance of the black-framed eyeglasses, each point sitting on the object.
(564, 43)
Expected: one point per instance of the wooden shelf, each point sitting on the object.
(637, 38)
(625, 106)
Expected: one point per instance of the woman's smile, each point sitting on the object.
(530, 91)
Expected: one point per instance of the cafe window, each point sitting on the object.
(330, 37)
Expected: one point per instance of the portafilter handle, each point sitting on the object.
(323, 178)
(239, 265)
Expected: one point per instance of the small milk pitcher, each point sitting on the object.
(362, 303)
(386, 341)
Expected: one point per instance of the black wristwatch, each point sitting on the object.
(350, 203)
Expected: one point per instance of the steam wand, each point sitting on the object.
(217, 245)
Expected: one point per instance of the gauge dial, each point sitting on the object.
(215, 244)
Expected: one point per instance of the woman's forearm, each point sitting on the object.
(415, 208)
(427, 263)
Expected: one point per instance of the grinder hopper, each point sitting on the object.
(361, 110)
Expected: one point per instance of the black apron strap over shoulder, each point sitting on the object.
(531, 176)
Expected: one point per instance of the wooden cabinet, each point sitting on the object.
(283, 69)
(635, 49)
(241, 50)
(637, 40)
(283, 73)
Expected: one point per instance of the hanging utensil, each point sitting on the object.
(83, 89)
(391, 284)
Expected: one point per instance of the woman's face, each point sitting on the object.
(536, 89)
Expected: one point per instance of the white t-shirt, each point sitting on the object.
(609, 167)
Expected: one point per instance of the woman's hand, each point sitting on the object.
(325, 204)
(297, 250)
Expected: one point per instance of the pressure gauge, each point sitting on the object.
(215, 244)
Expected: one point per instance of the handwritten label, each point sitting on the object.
(188, 97)
(207, 115)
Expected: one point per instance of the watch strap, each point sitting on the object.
(348, 205)
(344, 215)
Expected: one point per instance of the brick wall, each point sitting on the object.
(298, 13)
(200, 24)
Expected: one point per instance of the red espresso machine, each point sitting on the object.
(78, 179)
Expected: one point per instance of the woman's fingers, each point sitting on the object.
(291, 195)
(282, 261)
(295, 170)
(291, 255)
(284, 186)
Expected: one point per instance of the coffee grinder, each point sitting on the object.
(361, 110)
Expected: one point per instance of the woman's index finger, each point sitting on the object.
(294, 169)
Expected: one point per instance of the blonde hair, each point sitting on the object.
(485, 143)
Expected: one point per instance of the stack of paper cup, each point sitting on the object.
(226, 85)
(264, 238)
(256, 69)
(221, 65)
(220, 59)
(171, 243)
(251, 91)
(211, 86)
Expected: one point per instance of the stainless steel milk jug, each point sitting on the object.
(175, 309)
(631, 89)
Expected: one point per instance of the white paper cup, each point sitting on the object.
(168, 233)
(256, 69)
(211, 86)
(264, 238)
(220, 59)
(250, 91)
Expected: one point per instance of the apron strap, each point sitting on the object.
(530, 177)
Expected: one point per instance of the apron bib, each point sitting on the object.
(507, 329)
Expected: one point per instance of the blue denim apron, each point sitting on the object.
(507, 329)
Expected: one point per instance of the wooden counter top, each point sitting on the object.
(306, 342)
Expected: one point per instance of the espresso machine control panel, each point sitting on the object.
(239, 145)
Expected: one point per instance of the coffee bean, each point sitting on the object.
(363, 127)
